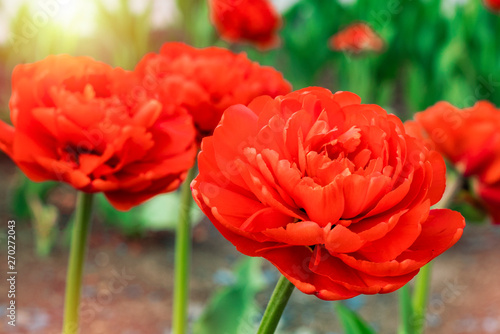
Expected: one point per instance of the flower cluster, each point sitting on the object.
(333, 192)
(128, 134)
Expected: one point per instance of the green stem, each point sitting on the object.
(81, 229)
(405, 310)
(274, 310)
(420, 297)
(182, 258)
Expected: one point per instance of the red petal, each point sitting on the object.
(302, 233)
(322, 204)
(440, 231)
(265, 220)
(345, 99)
(342, 240)
(436, 188)
(402, 236)
(338, 272)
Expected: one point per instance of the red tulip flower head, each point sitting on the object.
(494, 5)
(470, 139)
(333, 192)
(207, 81)
(357, 38)
(75, 121)
(255, 21)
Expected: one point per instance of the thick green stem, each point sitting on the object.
(274, 310)
(81, 229)
(182, 258)
(420, 297)
(405, 311)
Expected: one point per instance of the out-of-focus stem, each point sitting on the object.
(81, 229)
(182, 258)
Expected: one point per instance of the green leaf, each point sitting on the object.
(26, 188)
(384, 93)
(469, 205)
(459, 92)
(351, 321)
(450, 55)
(231, 309)
(44, 221)
(471, 213)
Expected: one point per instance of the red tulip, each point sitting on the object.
(357, 38)
(494, 5)
(74, 120)
(333, 192)
(207, 81)
(255, 21)
(470, 139)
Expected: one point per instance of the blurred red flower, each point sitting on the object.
(75, 121)
(255, 21)
(333, 192)
(470, 139)
(207, 81)
(494, 5)
(357, 38)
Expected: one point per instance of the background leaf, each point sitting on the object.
(232, 309)
(351, 321)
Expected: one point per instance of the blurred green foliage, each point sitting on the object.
(233, 309)
(31, 39)
(29, 202)
(161, 213)
(351, 322)
(127, 33)
(23, 191)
